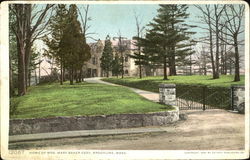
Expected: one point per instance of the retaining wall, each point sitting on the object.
(58, 124)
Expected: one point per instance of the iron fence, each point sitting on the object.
(202, 97)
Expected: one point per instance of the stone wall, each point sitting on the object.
(238, 98)
(58, 124)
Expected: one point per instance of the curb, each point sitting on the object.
(83, 133)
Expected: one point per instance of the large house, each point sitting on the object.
(93, 66)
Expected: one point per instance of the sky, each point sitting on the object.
(110, 19)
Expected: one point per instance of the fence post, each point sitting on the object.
(238, 98)
(204, 98)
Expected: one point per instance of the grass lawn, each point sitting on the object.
(80, 99)
(152, 83)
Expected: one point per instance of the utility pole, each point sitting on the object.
(121, 49)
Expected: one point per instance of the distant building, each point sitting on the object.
(93, 68)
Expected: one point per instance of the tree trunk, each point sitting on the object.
(122, 65)
(230, 68)
(80, 75)
(140, 71)
(217, 45)
(35, 77)
(11, 78)
(173, 66)
(76, 75)
(140, 66)
(21, 69)
(222, 59)
(27, 61)
(28, 42)
(29, 77)
(39, 74)
(61, 76)
(64, 77)
(71, 76)
(165, 68)
(225, 56)
(211, 53)
(237, 65)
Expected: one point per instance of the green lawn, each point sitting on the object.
(152, 83)
(80, 99)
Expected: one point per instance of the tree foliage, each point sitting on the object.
(73, 44)
(116, 65)
(107, 56)
(168, 40)
(29, 24)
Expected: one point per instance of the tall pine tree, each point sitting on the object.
(107, 56)
(116, 65)
(73, 45)
(168, 39)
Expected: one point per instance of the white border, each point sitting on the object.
(130, 154)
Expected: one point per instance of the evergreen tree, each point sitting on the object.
(73, 44)
(107, 56)
(116, 65)
(168, 40)
(57, 25)
(139, 57)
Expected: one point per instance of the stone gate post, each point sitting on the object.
(238, 97)
(167, 94)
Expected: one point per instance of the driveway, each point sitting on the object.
(203, 130)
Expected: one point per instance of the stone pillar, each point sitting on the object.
(238, 98)
(167, 94)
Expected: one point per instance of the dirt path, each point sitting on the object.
(208, 130)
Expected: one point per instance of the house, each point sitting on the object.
(92, 68)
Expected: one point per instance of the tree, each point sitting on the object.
(230, 27)
(181, 42)
(56, 26)
(29, 25)
(75, 53)
(34, 61)
(116, 65)
(168, 40)
(234, 18)
(107, 56)
(202, 60)
(137, 55)
(121, 48)
(207, 18)
(13, 65)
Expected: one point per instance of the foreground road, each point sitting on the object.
(208, 130)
